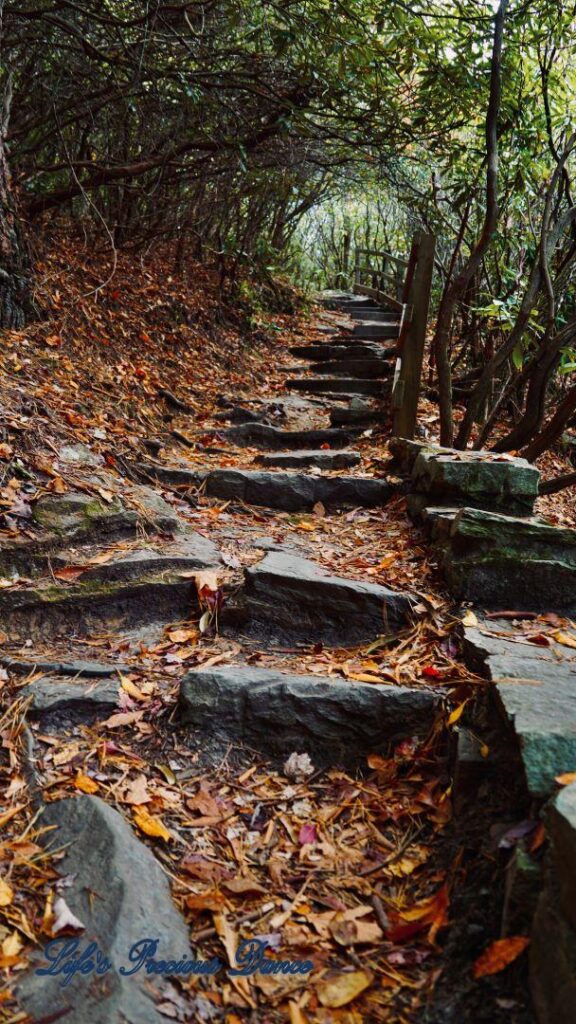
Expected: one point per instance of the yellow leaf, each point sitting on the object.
(296, 1015)
(364, 677)
(12, 945)
(457, 713)
(130, 688)
(6, 893)
(307, 527)
(564, 638)
(469, 619)
(151, 826)
(85, 783)
(341, 989)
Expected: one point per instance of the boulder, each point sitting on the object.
(320, 459)
(510, 562)
(117, 889)
(293, 492)
(286, 596)
(335, 720)
(476, 480)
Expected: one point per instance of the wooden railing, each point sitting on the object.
(406, 289)
(376, 270)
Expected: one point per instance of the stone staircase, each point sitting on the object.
(127, 569)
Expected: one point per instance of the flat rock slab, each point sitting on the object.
(406, 452)
(79, 518)
(286, 596)
(294, 492)
(373, 329)
(363, 369)
(477, 480)
(335, 720)
(116, 887)
(320, 459)
(357, 413)
(535, 691)
(344, 350)
(508, 562)
(561, 822)
(58, 698)
(94, 669)
(84, 608)
(258, 435)
(373, 315)
(340, 385)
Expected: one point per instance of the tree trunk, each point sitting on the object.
(552, 431)
(15, 291)
(456, 290)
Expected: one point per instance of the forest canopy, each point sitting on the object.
(276, 136)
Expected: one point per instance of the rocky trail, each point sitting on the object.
(246, 696)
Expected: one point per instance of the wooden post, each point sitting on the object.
(407, 389)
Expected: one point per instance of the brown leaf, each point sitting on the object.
(499, 954)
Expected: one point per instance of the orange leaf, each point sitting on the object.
(499, 955)
(566, 779)
(151, 826)
(85, 783)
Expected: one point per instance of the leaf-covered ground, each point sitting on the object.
(370, 875)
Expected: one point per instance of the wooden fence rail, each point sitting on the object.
(410, 284)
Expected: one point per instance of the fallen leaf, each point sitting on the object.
(307, 835)
(499, 954)
(469, 619)
(343, 987)
(564, 638)
(151, 826)
(64, 918)
(566, 778)
(85, 783)
(6, 893)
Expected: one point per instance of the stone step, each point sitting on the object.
(294, 492)
(373, 315)
(336, 721)
(89, 607)
(338, 385)
(357, 413)
(57, 699)
(475, 479)
(301, 459)
(535, 693)
(115, 886)
(508, 562)
(332, 299)
(259, 435)
(286, 597)
(344, 349)
(369, 329)
(361, 369)
(77, 518)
